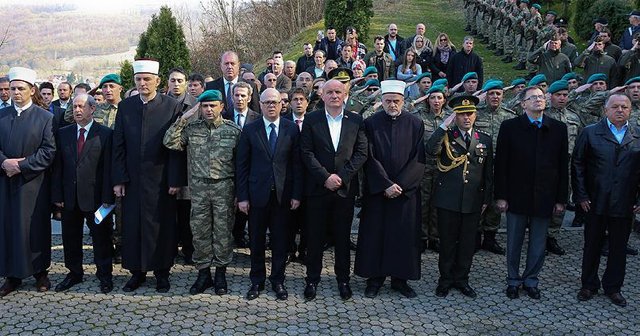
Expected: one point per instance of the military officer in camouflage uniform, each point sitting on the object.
(211, 144)
(432, 113)
(532, 24)
(559, 95)
(489, 117)
(572, 80)
(550, 61)
(105, 114)
(509, 13)
(589, 105)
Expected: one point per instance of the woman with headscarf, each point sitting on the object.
(424, 54)
(441, 54)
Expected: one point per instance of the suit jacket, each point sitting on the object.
(321, 159)
(462, 190)
(84, 180)
(531, 165)
(258, 170)
(605, 172)
(218, 84)
(461, 63)
(251, 116)
(58, 118)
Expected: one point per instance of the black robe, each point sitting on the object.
(147, 169)
(25, 212)
(389, 233)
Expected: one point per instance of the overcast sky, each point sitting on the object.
(102, 6)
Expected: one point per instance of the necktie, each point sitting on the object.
(299, 123)
(4, 104)
(273, 137)
(537, 123)
(229, 95)
(467, 139)
(239, 120)
(81, 141)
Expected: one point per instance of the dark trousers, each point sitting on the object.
(239, 226)
(276, 218)
(594, 235)
(298, 226)
(185, 238)
(72, 237)
(457, 245)
(516, 226)
(322, 212)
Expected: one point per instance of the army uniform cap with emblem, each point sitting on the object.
(342, 75)
(464, 103)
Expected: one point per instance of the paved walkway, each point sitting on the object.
(82, 311)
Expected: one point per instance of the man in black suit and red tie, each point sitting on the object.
(333, 148)
(81, 184)
(268, 187)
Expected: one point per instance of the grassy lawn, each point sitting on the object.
(438, 15)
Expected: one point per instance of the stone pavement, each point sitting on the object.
(81, 311)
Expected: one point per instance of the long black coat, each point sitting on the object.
(25, 224)
(460, 63)
(147, 169)
(531, 168)
(605, 172)
(389, 234)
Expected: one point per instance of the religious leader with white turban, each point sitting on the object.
(147, 176)
(389, 232)
(27, 149)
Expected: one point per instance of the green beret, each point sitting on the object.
(524, 1)
(436, 88)
(110, 78)
(469, 75)
(464, 103)
(552, 12)
(493, 84)
(632, 80)
(558, 85)
(537, 6)
(569, 76)
(537, 79)
(423, 75)
(441, 81)
(370, 70)
(518, 81)
(597, 77)
(210, 95)
(372, 82)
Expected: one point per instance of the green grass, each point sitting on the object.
(439, 16)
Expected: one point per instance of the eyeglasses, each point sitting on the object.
(535, 97)
(443, 40)
(270, 102)
(272, 80)
(316, 87)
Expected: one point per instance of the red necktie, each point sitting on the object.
(81, 141)
(299, 123)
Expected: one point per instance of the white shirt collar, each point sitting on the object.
(337, 118)
(267, 123)
(20, 109)
(226, 82)
(87, 127)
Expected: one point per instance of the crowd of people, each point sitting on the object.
(411, 132)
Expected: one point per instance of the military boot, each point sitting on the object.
(203, 282)
(554, 247)
(520, 66)
(490, 244)
(220, 280)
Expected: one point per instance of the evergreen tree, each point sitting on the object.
(582, 23)
(164, 41)
(126, 74)
(341, 14)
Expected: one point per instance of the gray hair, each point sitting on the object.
(467, 38)
(88, 99)
(616, 95)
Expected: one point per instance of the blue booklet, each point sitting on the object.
(103, 212)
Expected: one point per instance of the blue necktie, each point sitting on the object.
(230, 96)
(273, 137)
(537, 123)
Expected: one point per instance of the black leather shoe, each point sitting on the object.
(106, 286)
(310, 291)
(586, 294)
(10, 285)
(493, 246)
(43, 284)
(466, 290)
(69, 281)
(353, 246)
(162, 284)
(434, 245)
(135, 282)
(631, 251)
(345, 290)
(291, 257)
(554, 247)
(254, 291)
(513, 292)
(533, 292)
(302, 258)
(617, 299)
(203, 282)
(442, 291)
(371, 290)
(117, 254)
(403, 288)
(520, 66)
(281, 292)
(220, 281)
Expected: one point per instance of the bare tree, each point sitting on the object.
(4, 38)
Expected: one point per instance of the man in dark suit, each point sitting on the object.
(609, 200)
(64, 96)
(333, 146)
(230, 67)
(241, 114)
(531, 184)
(81, 184)
(268, 187)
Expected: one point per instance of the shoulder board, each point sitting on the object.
(508, 110)
(482, 132)
(231, 123)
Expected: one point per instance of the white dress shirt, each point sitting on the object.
(335, 127)
(20, 109)
(267, 127)
(87, 127)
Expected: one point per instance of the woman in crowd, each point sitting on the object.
(409, 70)
(441, 54)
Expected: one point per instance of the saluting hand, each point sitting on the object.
(448, 121)
(191, 111)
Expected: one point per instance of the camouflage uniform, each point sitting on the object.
(211, 149)
(589, 106)
(508, 30)
(489, 121)
(532, 30)
(429, 218)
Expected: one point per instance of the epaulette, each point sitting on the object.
(508, 109)
(231, 123)
(482, 132)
